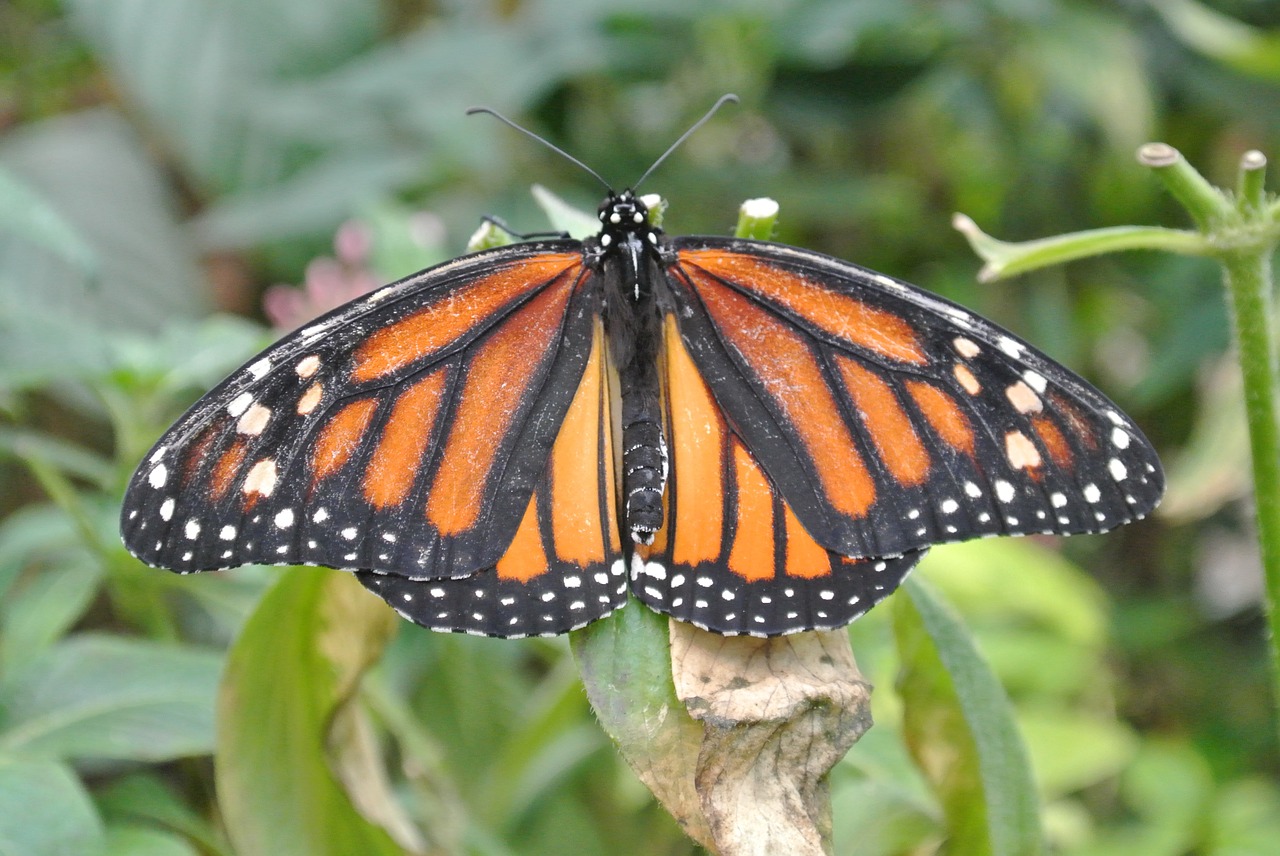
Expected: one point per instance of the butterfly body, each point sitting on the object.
(748, 436)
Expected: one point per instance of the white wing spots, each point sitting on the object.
(239, 404)
(655, 570)
(1116, 418)
(310, 398)
(166, 510)
(913, 514)
(1022, 398)
(315, 331)
(308, 365)
(972, 490)
(261, 478)
(192, 529)
(984, 517)
(389, 537)
(1004, 491)
(727, 595)
(350, 533)
(949, 506)
(282, 549)
(653, 592)
(321, 515)
(1117, 469)
(284, 519)
(617, 568)
(1058, 499)
(1091, 493)
(880, 566)
(1020, 451)
(1120, 438)
(572, 581)
(826, 594)
(966, 348)
(260, 368)
(407, 597)
(254, 420)
(1035, 380)
(158, 476)
(548, 596)
(601, 578)
(1010, 347)
(228, 533)
(704, 582)
(157, 454)
(966, 379)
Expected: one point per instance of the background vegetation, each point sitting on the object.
(163, 161)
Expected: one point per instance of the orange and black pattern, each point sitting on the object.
(747, 436)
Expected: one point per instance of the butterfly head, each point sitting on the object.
(624, 218)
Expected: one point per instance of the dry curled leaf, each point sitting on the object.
(778, 714)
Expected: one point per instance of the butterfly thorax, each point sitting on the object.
(627, 256)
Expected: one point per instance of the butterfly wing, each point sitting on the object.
(732, 557)
(404, 432)
(564, 568)
(890, 419)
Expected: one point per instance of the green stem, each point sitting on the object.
(1247, 273)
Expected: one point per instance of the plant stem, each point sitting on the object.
(1247, 274)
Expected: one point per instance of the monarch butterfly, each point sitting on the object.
(747, 436)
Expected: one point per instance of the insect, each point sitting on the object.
(751, 437)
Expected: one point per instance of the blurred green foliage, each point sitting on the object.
(161, 159)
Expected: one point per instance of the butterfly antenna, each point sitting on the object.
(723, 100)
(495, 114)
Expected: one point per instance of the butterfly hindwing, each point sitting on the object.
(405, 431)
(732, 556)
(891, 419)
(564, 567)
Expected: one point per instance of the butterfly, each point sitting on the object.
(751, 437)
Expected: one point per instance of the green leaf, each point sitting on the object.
(874, 817)
(44, 605)
(1234, 43)
(960, 729)
(291, 675)
(144, 841)
(44, 811)
(144, 800)
(1075, 750)
(113, 698)
(625, 661)
(96, 172)
(28, 214)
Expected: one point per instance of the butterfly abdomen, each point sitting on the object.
(634, 329)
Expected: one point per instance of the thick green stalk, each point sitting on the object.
(1247, 273)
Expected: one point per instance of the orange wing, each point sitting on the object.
(564, 567)
(889, 419)
(405, 432)
(732, 557)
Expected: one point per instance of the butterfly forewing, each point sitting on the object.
(403, 432)
(732, 556)
(890, 419)
(564, 567)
